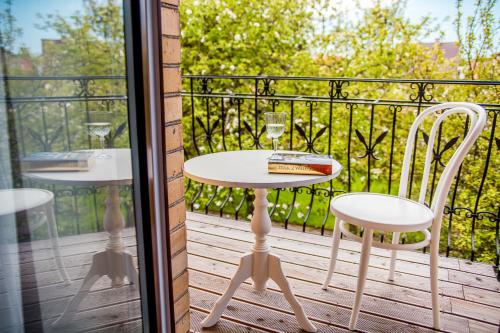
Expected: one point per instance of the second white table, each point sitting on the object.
(248, 169)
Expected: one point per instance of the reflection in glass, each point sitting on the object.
(67, 238)
(99, 125)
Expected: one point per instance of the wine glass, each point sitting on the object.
(99, 125)
(275, 126)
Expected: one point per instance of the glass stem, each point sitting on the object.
(101, 139)
(275, 144)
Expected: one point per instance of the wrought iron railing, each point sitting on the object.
(363, 123)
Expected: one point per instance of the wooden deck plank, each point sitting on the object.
(482, 296)
(223, 326)
(480, 327)
(477, 268)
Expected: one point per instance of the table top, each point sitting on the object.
(116, 170)
(23, 199)
(246, 169)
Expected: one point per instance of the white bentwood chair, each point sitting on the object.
(398, 214)
(39, 206)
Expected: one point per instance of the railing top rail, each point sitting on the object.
(347, 79)
(325, 99)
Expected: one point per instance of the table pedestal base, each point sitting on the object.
(114, 262)
(261, 266)
(115, 265)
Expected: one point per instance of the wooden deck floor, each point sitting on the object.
(470, 292)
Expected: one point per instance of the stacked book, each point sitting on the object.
(59, 161)
(300, 163)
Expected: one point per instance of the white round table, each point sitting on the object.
(114, 261)
(248, 169)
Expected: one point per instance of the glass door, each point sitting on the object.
(68, 230)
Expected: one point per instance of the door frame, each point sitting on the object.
(147, 133)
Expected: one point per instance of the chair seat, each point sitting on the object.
(23, 199)
(382, 212)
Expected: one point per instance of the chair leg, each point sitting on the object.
(333, 256)
(52, 229)
(392, 268)
(435, 288)
(363, 268)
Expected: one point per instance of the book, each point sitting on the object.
(58, 161)
(300, 163)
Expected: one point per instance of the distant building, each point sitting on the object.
(48, 43)
(450, 50)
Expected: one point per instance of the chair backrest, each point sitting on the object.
(477, 117)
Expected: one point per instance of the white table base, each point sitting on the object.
(114, 262)
(260, 265)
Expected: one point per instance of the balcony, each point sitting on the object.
(363, 123)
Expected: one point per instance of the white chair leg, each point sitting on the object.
(435, 288)
(392, 268)
(334, 253)
(52, 229)
(363, 268)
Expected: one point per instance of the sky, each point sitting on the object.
(26, 13)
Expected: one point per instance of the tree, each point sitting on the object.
(478, 41)
(90, 43)
(246, 37)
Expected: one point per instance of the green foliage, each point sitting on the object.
(476, 37)
(246, 37)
